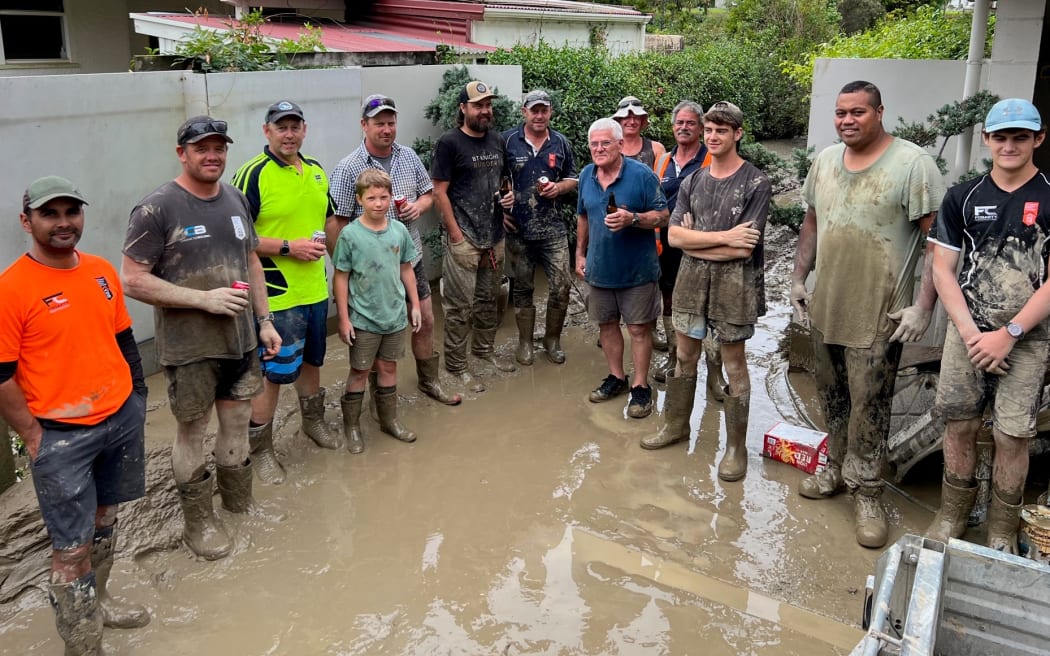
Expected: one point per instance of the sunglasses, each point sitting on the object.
(194, 130)
(629, 103)
(379, 102)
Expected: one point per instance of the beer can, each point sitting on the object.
(240, 284)
(399, 202)
(542, 183)
(319, 236)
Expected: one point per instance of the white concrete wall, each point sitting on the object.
(620, 37)
(114, 134)
(1015, 51)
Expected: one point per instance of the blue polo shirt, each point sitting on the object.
(537, 217)
(617, 260)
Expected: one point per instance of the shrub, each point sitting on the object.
(859, 15)
(242, 47)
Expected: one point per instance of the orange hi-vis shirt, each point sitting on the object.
(60, 326)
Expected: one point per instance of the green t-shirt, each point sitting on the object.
(288, 204)
(373, 259)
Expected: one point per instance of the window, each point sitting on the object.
(32, 30)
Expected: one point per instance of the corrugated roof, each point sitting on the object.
(563, 6)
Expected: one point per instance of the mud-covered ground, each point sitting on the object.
(525, 521)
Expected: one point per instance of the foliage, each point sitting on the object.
(928, 33)
(802, 159)
(782, 178)
(243, 47)
(948, 121)
(859, 15)
(789, 27)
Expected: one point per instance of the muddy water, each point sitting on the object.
(526, 521)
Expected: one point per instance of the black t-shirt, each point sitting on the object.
(472, 166)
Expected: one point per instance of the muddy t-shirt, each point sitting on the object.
(472, 166)
(733, 291)
(373, 260)
(1004, 236)
(867, 238)
(200, 243)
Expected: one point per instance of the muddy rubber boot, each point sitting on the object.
(386, 400)
(526, 320)
(78, 617)
(430, 381)
(950, 520)
(312, 409)
(115, 614)
(669, 362)
(235, 487)
(716, 382)
(870, 518)
(204, 532)
(264, 459)
(373, 385)
(824, 485)
(677, 407)
(1003, 520)
(658, 343)
(733, 465)
(552, 334)
(351, 403)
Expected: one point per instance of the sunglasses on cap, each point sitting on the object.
(200, 129)
(632, 102)
(379, 102)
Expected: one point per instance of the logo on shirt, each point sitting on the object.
(1031, 211)
(56, 302)
(552, 160)
(982, 213)
(238, 227)
(194, 232)
(104, 284)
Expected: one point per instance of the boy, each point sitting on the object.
(373, 272)
(996, 346)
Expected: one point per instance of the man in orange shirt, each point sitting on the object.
(71, 386)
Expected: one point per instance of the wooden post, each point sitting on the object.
(7, 459)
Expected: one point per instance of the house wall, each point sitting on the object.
(97, 37)
(114, 134)
(620, 37)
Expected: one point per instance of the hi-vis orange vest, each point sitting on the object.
(660, 167)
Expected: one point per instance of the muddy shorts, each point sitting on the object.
(304, 335)
(422, 283)
(79, 468)
(696, 326)
(194, 387)
(635, 305)
(964, 391)
(369, 347)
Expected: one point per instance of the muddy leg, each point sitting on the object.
(833, 393)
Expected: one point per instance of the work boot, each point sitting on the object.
(950, 520)
(235, 486)
(468, 380)
(1003, 520)
(733, 465)
(677, 407)
(373, 385)
(386, 402)
(351, 403)
(870, 518)
(823, 485)
(77, 615)
(115, 614)
(552, 334)
(716, 382)
(312, 409)
(264, 459)
(526, 320)
(506, 366)
(430, 382)
(204, 533)
(670, 361)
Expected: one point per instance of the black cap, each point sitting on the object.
(283, 108)
(201, 127)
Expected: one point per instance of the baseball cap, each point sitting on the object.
(537, 97)
(377, 103)
(475, 91)
(283, 108)
(629, 105)
(48, 188)
(200, 127)
(1013, 113)
(727, 109)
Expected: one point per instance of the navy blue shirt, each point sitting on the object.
(617, 260)
(537, 217)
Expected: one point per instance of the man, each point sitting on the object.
(380, 150)
(996, 344)
(718, 222)
(536, 233)
(190, 247)
(871, 199)
(468, 161)
(288, 196)
(620, 203)
(71, 386)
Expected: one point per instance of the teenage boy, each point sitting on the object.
(718, 223)
(996, 346)
(373, 274)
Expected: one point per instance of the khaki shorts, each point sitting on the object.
(964, 391)
(635, 305)
(696, 327)
(369, 347)
(194, 387)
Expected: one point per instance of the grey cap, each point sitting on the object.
(201, 127)
(537, 97)
(727, 109)
(42, 190)
(282, 108)
(377, 103)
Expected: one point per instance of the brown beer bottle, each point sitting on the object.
(612, 204)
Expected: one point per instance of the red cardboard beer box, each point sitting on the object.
(800, 447)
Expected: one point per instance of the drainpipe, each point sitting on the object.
(978, 30)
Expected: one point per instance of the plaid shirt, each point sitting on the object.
(407, 174)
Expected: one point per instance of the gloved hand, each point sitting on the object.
(799, 296)
(913, 322)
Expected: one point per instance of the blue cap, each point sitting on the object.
(1013, 113)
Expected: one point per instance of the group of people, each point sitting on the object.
(237, 277)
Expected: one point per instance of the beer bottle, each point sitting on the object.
(612, 204)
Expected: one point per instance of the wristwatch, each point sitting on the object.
(635, 221)
(285, 248)
(1014, 330)
(267, 317)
